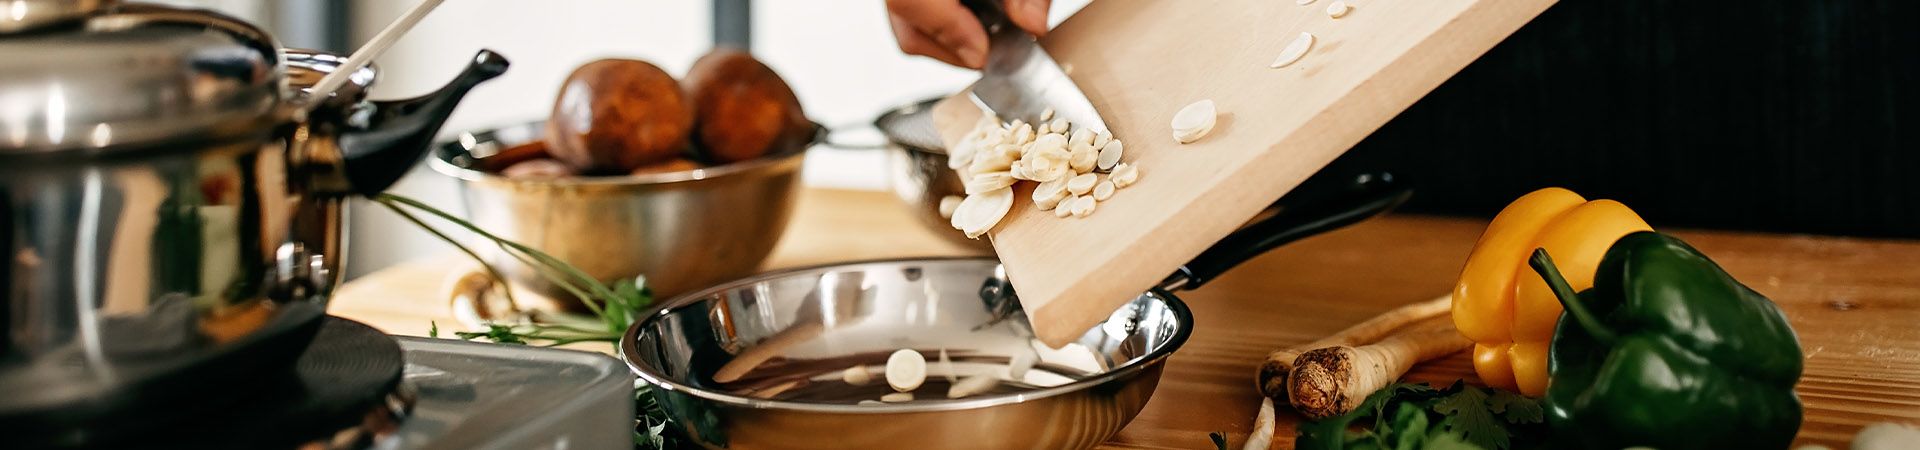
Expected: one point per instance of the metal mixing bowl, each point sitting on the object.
(683, 230)
(810, 324)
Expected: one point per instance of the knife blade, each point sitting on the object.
(1020, 80)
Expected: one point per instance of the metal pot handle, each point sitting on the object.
(1322, 203)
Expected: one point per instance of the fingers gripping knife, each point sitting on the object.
(1020, 80)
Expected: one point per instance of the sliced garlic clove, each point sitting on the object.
(1194, 121)
(1338, 9)
(1293, 51)
(1081, 137)
(981, 212)
(1017, 369)
(1124, 175)
(906, 370)
(897, 397)
(1050, 191)
(946, 367)
(1084, 206)
(873, 402)
(1104, 190)
(1046, 114)
(1066, 206)
(1303, 2)
(991, 163)
(1101, 140)
(988, 182)
(1048, 143)
(972, 385)
(1023, 134)
(856, 375)
(1083, 159)
(1082, 184)
(1109, 155)
(1058, 125)
(948, 204)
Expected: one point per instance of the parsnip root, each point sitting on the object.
(1331, 381)
(1272, 377)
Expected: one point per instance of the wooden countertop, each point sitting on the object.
(1854, 302)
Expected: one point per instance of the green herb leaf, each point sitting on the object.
(1449, 441)
(1516, 408)
(1219, 440)
(1473, 419)
(433, 329)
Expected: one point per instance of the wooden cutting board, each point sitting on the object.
(1140, 61)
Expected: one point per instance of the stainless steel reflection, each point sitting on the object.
(683, 230)
(21, 15)
(800, 323)
(918, 169)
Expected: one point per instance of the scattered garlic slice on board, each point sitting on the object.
(946, 367)
(1065, 208)
(1338, 9)
(1082, 184)
(1124, 175)
(906, 370)
(1109, 155)
(1293, 51)
(972, 385)
(1084, 158)
(1050, 193)
(980, 212)
(1084, 206)
(987, 182)
(1194, 121)
(1104, 190)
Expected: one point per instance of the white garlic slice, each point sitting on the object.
(856, 375)
(1058, 125)
(1082, 184)
(1104, 190)
(1124, 175)
(1194, 121)
(1100, 140)
(1293, 51)
(1084, 205)
(1017, 369)
(1109, 155)
(1066, 206)
(1303, 2)
(873, 402)
(906, 370)
(1338, 9)
(1081, 137)
(1083, 158)
(1022, 134)
(1047, 143)
(972, 385)
(989, 181)
(981, 212)
(946, 367)
(1046, 114)
(948, 204)
(897, 397)
(1050, 192)
(991, 163)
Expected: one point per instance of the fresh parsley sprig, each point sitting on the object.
(1417, 416)
(614, 308)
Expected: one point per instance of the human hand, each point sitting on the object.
(948, 31)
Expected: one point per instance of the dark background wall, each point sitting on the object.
(1775, 115)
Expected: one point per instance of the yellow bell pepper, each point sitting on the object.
(1510, 314)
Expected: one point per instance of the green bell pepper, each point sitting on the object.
(1668, 351)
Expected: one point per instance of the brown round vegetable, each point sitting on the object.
(745, 110)
(617, 114)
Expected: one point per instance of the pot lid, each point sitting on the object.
(135, 76)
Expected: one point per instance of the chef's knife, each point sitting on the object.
(1020, 80)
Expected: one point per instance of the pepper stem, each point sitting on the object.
(1543, 265)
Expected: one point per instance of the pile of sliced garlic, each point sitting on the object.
(1076, 169)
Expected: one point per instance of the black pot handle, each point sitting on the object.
(1323, 203)
(400, 131)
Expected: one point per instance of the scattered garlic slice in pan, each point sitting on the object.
(1104, 190)
(946, 367)
(1017, 369)
(972, 385)
(856, 375)
(897, 397)
(906, 370)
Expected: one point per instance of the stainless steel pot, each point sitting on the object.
(683, 230)
(758, 363)
(169, 212)
(917, 168)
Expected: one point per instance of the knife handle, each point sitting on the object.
(992, 14)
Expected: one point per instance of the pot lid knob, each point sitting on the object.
(21, 15)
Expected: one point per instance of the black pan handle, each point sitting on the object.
(1323, 203)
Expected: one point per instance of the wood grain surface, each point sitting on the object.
(1276, 126)
(1854, 302)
